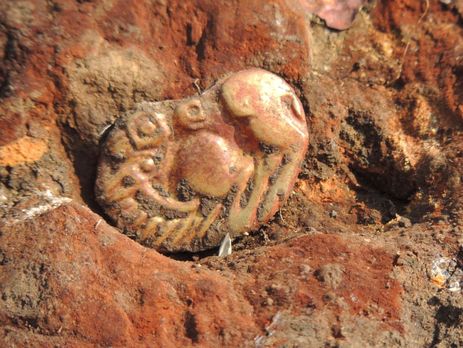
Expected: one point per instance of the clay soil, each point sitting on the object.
(347, 261)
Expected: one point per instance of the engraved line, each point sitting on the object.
(169, 228)
(151, 226)
(208, 222)
(140, 220)
(190, 223)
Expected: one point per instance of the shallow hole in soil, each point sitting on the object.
(375, 197)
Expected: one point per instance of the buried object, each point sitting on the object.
(179, 175)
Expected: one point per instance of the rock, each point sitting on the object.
(330, 274)
(398, 221)
(338, 14)
(108, 81)
(333, 214)
(23, 150)
(349, 278)
(68, 276)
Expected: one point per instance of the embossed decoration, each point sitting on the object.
(179, 175)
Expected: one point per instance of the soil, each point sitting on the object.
(346, 262)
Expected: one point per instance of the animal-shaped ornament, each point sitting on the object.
(179, 175)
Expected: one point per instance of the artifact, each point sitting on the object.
(178, 175)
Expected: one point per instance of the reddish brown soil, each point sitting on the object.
(335, 267)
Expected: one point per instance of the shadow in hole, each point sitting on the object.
(375, 198)
(447, 316)
(376, 162)
(191, 328)
(190, 256)
(84, 157)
